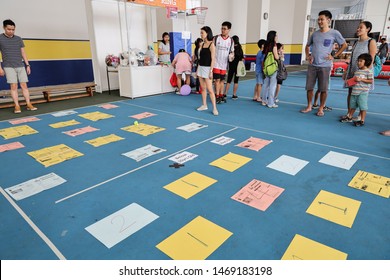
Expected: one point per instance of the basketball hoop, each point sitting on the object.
(200, 13)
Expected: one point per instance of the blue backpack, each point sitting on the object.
(377, 64)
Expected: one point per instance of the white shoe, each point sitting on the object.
(273, 106)
(356, 119)
(215, 113)
(202, 108)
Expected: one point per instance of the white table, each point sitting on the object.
(144, 80)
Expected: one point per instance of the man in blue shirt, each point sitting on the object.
(320, 59)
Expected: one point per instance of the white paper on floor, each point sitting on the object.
(118, 226)
(339, 160)
(287, 164)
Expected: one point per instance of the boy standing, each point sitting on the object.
(362, 81)
(320, 59)
(259, 71)
(12, 51)
(224, 49)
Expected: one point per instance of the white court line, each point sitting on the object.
(261, 131)
(33, 226)
(143, 166)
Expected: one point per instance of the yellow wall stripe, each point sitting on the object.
(57, 49)
(252, 48)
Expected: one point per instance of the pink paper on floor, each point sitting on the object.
(253, 143)
(143, 115)
(108, 106)
(24, 120)
(258, 194)
(80, 131)
(11, 146)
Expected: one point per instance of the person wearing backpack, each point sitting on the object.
(320, 59)
(270, 70)
(364, 45)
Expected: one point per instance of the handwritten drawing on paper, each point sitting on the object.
(258, 194)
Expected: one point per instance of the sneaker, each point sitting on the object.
(346, 119)
(355, 119)
(218, 100)
(215, 113)
(315, 106)
(359, 123)
(202, 108)
(30, 107)
(17, 110)
(326, 108)
(263, 104)
(234, 97)
(273, 106)
(277, 100)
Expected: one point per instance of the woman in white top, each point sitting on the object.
(164, 51)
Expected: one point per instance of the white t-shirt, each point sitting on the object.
(223, 46)
(164, 57)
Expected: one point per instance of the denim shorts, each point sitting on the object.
(359, 101)
(259, 78)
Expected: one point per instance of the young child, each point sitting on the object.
(182, 64)
(362, 81)
(259, 71)
(279, 82)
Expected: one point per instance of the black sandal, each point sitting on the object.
(359, 123)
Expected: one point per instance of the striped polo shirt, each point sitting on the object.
(10, 49)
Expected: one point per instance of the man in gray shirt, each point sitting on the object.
(320, 59)
(13, 54)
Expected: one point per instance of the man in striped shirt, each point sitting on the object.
(12, 66)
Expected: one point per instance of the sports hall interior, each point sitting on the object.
(155, 179)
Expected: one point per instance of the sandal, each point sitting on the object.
(359, 123)
(345, 119)
(320, 114)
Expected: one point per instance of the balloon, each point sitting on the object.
(185, 90)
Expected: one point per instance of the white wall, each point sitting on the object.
(47, 19)
(112, 34)
(378, 13)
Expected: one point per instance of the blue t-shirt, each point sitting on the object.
(259, 62)
(322, 45)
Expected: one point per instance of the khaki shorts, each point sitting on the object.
(320, 74)
(15, 75)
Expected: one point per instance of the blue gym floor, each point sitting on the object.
(103, 181)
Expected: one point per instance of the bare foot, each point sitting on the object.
(306, 110)
(385, 133)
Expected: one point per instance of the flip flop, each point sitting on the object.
(320, 114)
(305, 111)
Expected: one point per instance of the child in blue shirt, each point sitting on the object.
(259, 71)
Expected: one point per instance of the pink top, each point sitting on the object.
(182, 63)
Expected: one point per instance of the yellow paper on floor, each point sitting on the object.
(335, 208)
(64, 124)
(100, 141)
(195, 241)
(55, 154)
(17, 131)
(371, 183)
(231, 162)
(190, 185)
(96, 116)
(302, 248)
(143, 129)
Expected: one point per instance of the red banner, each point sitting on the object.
(180, 4)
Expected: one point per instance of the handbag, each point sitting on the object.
(241, 71)
(282, 71)
(173, 80)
